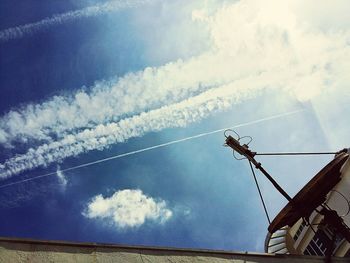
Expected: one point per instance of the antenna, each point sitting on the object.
(311, 197)
(244, 150)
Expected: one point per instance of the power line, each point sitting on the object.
(152, 148)
(296, 153)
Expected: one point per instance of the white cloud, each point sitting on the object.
(31, 28)
(256, 46)
(176, 115)
(128, 208)
(108, 101)
(61, 178)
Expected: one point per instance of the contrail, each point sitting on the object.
(154, 147)
(31, 28)
(101, 136)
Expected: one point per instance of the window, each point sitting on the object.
(319, 244)
(300, 229)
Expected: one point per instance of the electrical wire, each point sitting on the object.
(296, 153)
(259, 191)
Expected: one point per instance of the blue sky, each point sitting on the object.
(85, 80)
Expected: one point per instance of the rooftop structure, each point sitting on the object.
(27, 250)
(312, 222)
(311, 235)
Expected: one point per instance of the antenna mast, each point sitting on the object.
(244, 150)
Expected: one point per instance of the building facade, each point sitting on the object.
(312, 236)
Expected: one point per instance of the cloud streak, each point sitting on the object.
(150, 148)
(178, 114)
(175, 115)
(32, 28)
(127, 209)
(107, 102)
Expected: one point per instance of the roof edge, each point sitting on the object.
(144, 248)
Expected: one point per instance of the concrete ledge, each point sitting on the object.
(29, 250)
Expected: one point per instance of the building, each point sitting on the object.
(314, 237)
